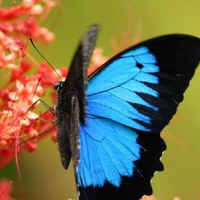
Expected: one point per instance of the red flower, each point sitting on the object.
(11, 47)
(20, 93)
(148, 198)
(97, 60)
(16, 122)
(5, 190)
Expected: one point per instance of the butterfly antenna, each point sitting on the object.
(45, 59)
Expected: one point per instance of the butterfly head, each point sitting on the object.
(58, 85)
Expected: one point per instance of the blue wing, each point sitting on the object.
(130, 100)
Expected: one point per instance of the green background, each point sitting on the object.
(43, 175)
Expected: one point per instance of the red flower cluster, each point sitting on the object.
(5, 190)
(20, 92)
(15, 31)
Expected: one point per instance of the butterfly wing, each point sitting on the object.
(71, 99)
(130, 99)
(76, 79)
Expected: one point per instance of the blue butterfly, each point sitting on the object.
(110, 122)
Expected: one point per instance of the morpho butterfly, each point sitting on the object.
(110, 123)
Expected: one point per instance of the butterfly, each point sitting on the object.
(110, 123)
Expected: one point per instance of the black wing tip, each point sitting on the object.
(170, 40)
(174, 36)
(93, 29)
(180, 35)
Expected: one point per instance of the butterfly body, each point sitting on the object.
(111, 126)
(67, 113)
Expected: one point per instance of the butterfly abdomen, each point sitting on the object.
(67, 115)
(62, 127)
